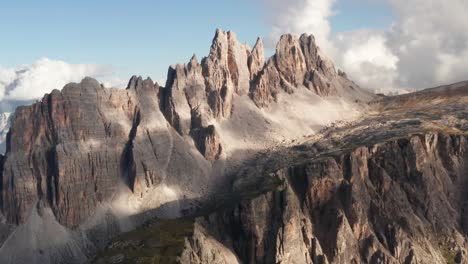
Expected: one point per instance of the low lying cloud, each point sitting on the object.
(30, 82)
(426, 45)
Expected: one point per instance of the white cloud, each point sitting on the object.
(427, 44)
(7, 76)
(32, 81)
(366, 58)
(300, 16)
(430, 38)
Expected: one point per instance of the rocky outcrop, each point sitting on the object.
(196, 93)
(297, 62)
(267, 86)
(225, 71)
(395, 202)
(256, 60)
(184, 93)
(290, 60)
(231, 69)
(202, 248)
(207, 142)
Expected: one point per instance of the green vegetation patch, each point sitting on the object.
(158, 241)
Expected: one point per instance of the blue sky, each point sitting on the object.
(382, 45)
(144, 37)
(358, 14)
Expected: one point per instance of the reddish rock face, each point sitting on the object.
(57, 153)
(377, 204)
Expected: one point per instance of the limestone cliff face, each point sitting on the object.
(75, 147)
(394, 202)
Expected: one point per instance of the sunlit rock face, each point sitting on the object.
(104, 160)
(86, 140)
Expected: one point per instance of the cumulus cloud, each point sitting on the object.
(366, 58)
(426, 45)
(430, 38)
(30, 82)
(300, 16)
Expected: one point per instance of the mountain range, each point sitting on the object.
(238, 158)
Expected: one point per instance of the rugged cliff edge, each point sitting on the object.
(389, 188)
(89, 162)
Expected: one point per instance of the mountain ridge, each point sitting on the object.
(93, 162)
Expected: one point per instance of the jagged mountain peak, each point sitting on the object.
(232, 69)
(256, 60)
(193, 62)
(136, 82)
